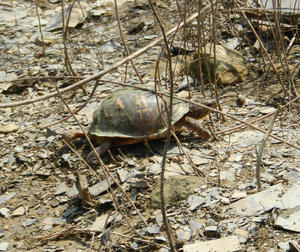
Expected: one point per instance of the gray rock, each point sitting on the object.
(246, 138)
(61, 189)
(260, 202)
(4, 246)
(284, 246)
(4, 212)
(6, 197)
(29, 222)
(195, 226)
(195, 201)
(183, 236)
(153, 229)
(289, 219)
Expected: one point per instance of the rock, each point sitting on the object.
(284, 246)
(246, 138)
(230, 65)
(153, 229)
(61, 189)
(238, 195)
(99, 223)
(195, 201)
(259, 202)
(7, 77)
(225, 201)
(242, 235)
(28, 222)
(78, 15)
(183, 235)
(289, 219)
(100, 187)
(176, 188)
(212, 231)
(4, 212)
(4, 246)
(6, 197)
(8, 128)
(195, 226)
(123, 175)
(267, 110)
(228, 244)
(19, 211)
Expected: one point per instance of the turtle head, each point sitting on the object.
(198, 112)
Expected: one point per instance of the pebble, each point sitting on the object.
(195, 201)
(18, 212)
(4, 246)
(4, 212)
(28, 222)
(212, 232)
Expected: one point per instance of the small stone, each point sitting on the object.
(152, 230)
(4, 246)
(6, 197)
(61, 189)
(160, 239)
(28, 222)
(195, 226)
(200, 161)
(66, 156)
(18, 212)
(183, 235)
(4, 212)
(238, 195)
(159, 219)
(242, 235)
(225, 201)
(19, 149)
(195, 201)
(123, 175)
(267, 110)
(8, 128)
(284, 246)
(211, 231)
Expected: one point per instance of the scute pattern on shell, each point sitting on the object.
(133, 113)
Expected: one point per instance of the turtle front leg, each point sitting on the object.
(195, 126)
(101, 149)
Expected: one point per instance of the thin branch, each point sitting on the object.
(163, 164)
(124, 42)
(260, 148)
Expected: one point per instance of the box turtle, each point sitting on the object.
(130, 115)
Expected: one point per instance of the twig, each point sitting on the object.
(260, 148)
(124, 42)
(256, 119)
(77, 110)
(163, 163)
(40, 26)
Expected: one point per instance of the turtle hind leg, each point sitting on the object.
(195, 126)
(101, 149)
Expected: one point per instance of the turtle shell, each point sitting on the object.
(133, 113)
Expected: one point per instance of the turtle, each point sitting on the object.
(131, 115)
